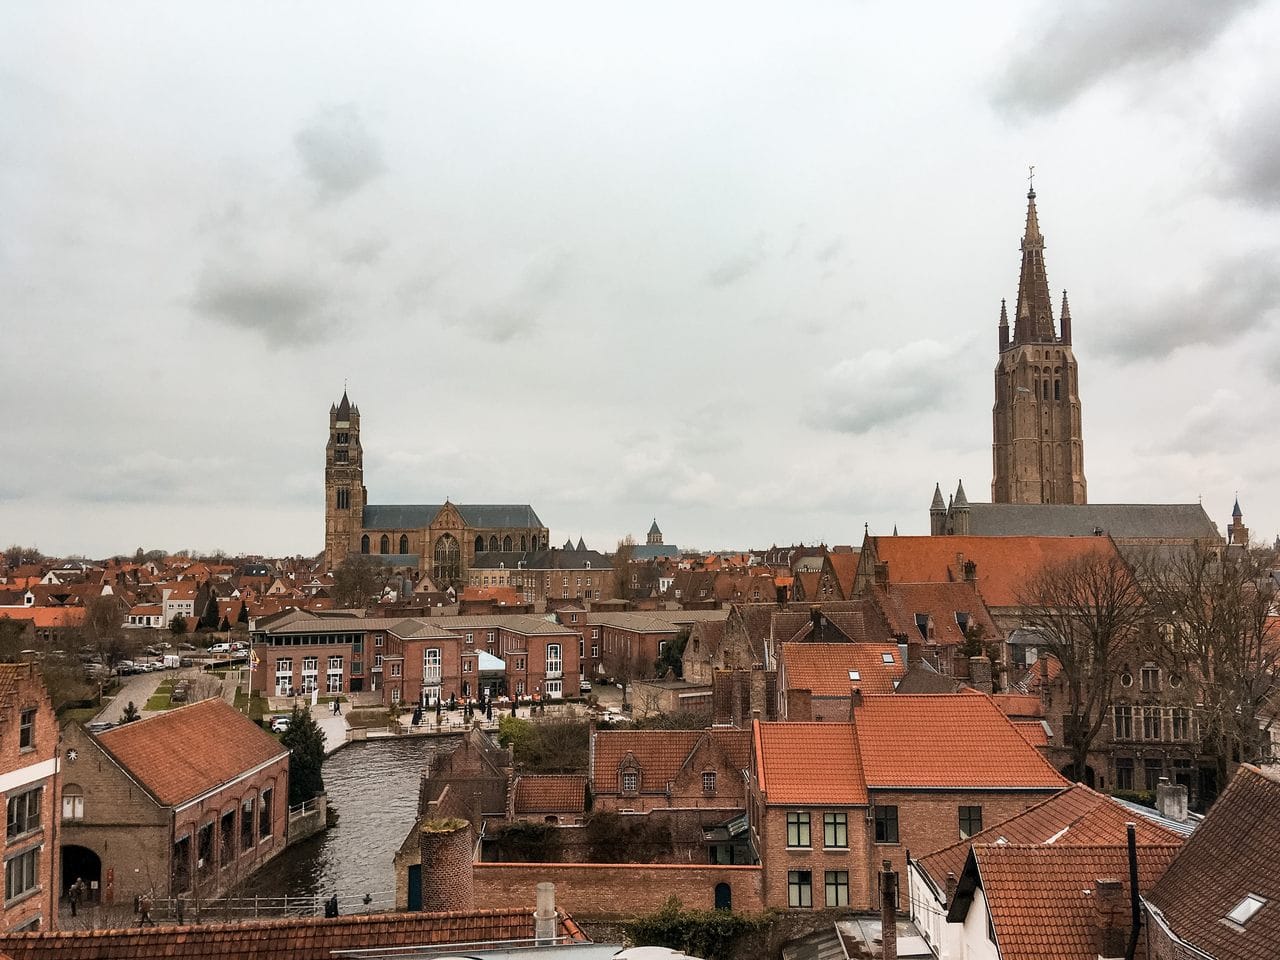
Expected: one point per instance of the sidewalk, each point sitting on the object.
(334, 730)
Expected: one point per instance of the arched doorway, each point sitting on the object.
(724, 897)
(83, 863)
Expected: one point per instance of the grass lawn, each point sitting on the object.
(78, 715)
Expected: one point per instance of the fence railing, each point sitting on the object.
(184, 910)
(305, 807)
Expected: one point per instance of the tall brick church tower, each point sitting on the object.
(344, 491)
(1037, 449)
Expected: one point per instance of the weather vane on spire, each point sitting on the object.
(1031, 178)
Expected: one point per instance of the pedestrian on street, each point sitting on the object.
(76, 894)
(144, 908)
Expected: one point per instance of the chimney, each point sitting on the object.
(980, 674)
(721, 698)
(1171, 800)
(882, 573)
(544, 918)
(1109, 918)
(815, 617)
(855, 700)
(950, 888)
(888, 911)
(799, 706)
(970, 571)
(448, 881)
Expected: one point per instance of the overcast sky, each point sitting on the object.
(735, 266)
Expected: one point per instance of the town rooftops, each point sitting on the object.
(307, 938)
(184, 753)
(1043, 899)
(1123, 521)
(551, 793)
(660, 753)
(1204, 898)
(557, 559)
(833, 669)
(946, 741)
(809, 763)
(481, 516)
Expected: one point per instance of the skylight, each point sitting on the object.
(1246, 908)
(887, 657)
(854, 675)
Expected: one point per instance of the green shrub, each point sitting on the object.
(701, 933)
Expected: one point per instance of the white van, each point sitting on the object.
(220, 648)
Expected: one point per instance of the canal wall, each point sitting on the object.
(617, 890)
(308, 819)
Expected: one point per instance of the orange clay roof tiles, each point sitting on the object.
(184, 753)
(809, 763)
(564, 793)
(1042, 898)
(1033, 731)
(948, 741)
(660, 754)
(824, 668)
(1076, 816)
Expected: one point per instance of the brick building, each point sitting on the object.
(642, 770)
(28, 779)
(568, 573)
(189, 801)
(816, 680)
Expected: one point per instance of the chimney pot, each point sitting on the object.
(544, 917)
(949, 888)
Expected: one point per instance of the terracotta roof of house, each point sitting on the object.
(46, 616)
(1018, 705)
(309, 938)
(1076, 816)
(1033, 731)
(1232, 853)
(827, 669)
(921, 677)
(809, 763)
(900, 603)
(845, 566)
(560, 793)
(180, 754)
(1003, 563)
(946, 741)
(1042, 898)
(660, 753)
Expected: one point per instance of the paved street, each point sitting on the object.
(139, 688)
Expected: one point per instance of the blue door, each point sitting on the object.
(415, 886)
(724, 896)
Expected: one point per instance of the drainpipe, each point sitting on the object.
(1134, 902)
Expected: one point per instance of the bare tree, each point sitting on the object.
(1218, 627)
(357, 580)
(621, 561)
(1083, 609)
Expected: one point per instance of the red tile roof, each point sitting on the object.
(899, 603)
(183, 753)
(825, 668)
(47, 617)
(1003, 563)
(809, 763)
(310, 938)
(946, 740)
(562, 793)
(1042, 898)
(1033, 731)
(1018, 705)
(660, 753)
(1076, 816)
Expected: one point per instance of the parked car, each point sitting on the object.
(584, 685)
(98, 726)
(218, 648)
(279, 724)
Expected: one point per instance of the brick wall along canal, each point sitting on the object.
(374, 788)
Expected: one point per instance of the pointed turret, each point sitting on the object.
(1065, 319)
(960, 499)
(582, 544)
(958, 515)
(1004, 325)
(1236, 513)
(344, 407)
(937, 513)
(937, 499)
(1033, 318)
(568, 544)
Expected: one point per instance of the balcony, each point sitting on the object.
(431, 674)
(555, 669)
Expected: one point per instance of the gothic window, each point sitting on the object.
(384, 545)
(506, 544)
(1046, 389)
(404, 543)
(524, 543)
(344, 498)
(1057, 389)
(340, 456)
(493, 542)
(364, 544)
(479, 544)
(342, 439)
(448, 560)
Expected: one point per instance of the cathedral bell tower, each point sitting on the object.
(1037, 446)
(344, 491)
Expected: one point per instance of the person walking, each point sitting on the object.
(144, 909)
(75, 895)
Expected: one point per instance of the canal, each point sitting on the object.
(373, 786)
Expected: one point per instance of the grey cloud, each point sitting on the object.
(366, 253)
(517, 312)
(1072, 47)
(737, 267)
(285, 308)
(1214, 426)
(882, 387)
(1239, 296)
(338, 152)
(1251, 152)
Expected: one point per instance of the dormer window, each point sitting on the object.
(922, 624)
(630, 781)
(709, 782)
(1246, 908)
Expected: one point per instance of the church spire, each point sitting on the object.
(1065, 319)
(1004, 325)
(1033, 317)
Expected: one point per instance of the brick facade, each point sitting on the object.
(447, 884)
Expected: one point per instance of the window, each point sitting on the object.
(837, 888)
(246, 823)
(447, 556)
(1126, 679)
(24, 812)
(709, 782)
(1180, 720)
(344, 498)
(630, 781)
(404, 543)
(467, 666)
(384, 545)
(377, 639)
(1246, 908)
(1150, 678)
(855, 675)
(886, 658)
(1124, 773)
(798, 829)
(20, 874)
(1151, 723)
(970, 821)
(595, 633)
(1152, 771)
(1122, 721)
(340, 456)
(204, 847)
(265, 826)
(887, 824)
(799, 888)
(364, 544)
(227, 830)
(396, 668)
(555, 663)
(835, 830)
(342, 439)
(72, 802)
(27, 730)
(431, 665)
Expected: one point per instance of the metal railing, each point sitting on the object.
(305, 807)
(192, 910)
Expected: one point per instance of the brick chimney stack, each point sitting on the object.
(1171, 800)
(855, 700)
(1110, 918)
(888, 911)
(800, 706)
(980, 674)
(949, 888)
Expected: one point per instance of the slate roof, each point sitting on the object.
(1123, 521)
(308, 938)
(180, 754)
(1076, 816)
(479, 516)
(660, 753)
(809, 763)
(557, 559)
(1234, 852)
(654, 551)
(1041, 898)
(946, 741)
(824, 668)
(551, 793)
